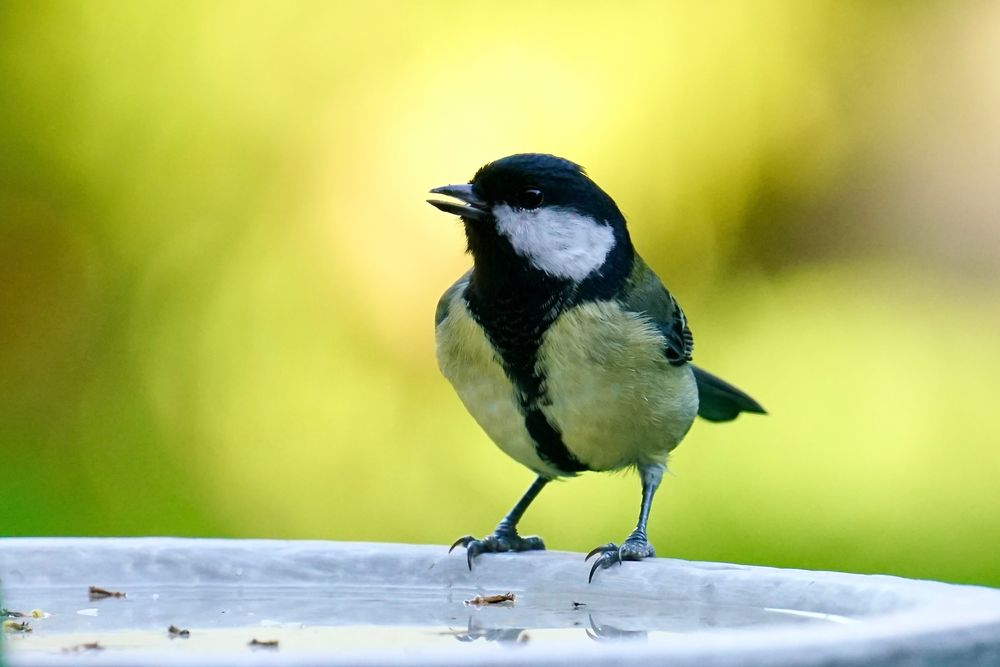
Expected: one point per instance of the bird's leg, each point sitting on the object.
(635, 546)
(505, 537)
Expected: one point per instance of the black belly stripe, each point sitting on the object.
(549, 444)
(516, 337)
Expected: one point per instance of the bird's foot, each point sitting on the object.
(634, 548)
(503, 539)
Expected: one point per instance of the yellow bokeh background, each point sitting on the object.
(218, 273)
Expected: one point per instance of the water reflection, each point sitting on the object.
(609, 633)
(340, 616)
(477, 631)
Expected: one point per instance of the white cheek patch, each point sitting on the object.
(555, 240)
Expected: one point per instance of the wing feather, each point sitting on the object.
(717, 399)
(644, 293)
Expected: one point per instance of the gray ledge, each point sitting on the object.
(337, 603)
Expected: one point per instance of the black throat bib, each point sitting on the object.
(516, 303)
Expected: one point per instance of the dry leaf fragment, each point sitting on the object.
(267, 643)
(174, 631)
(16, 626)
(491, 599)
(97, 593)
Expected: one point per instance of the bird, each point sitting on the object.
(564, 345)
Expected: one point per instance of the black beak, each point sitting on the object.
(473, 207)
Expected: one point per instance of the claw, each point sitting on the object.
(597, 564)
(634, 548)
(500, 541)
(463, 541)
(607, 559)
(604, 548)
(472, 550)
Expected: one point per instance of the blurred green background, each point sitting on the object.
(218, 273)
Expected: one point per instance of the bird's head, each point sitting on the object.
(539, 213)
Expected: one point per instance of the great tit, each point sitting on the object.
(563, 344)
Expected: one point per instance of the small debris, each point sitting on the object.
(7, 613)
(523, 637)
(577, 605)
(97, 593)
(38, 613)
(491, 599)
(16, 626)
(174, 631)
(92, 646)
(268, 643)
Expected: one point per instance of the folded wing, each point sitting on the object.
(643, 293)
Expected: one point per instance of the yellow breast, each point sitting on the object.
(613, 395)
(467, 359)
(610, 391)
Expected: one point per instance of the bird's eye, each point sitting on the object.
(530, 198)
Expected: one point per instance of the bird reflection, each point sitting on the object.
(598, 632)
(609, 633)
(501, 635)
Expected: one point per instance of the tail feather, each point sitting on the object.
(719, 401)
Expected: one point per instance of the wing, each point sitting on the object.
(644, 293)
(449, 294)
(719, 401)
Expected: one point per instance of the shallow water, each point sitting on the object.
(227, 617)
